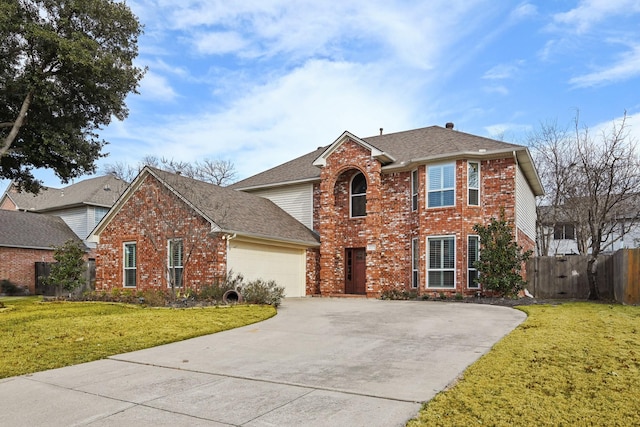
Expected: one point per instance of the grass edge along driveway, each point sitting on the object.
(567, 364)
(36, 336)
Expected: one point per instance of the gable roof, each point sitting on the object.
(99, 191)
(400, 151)
(32, 230)
(227, 210)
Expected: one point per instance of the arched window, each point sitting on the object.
(358, 196)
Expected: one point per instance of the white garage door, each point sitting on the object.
(286, 266)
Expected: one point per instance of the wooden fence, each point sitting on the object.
(44, 268)
(626, 284)
(565, 277)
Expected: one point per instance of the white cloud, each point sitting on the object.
(155, 87)
(590, 12)
(506, 131)
(524, 10)
(502, 71)
(628, 66)
(499, 89)
(288, 117)
(217, 43)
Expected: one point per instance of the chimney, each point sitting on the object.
(449, 125)
(381, 129)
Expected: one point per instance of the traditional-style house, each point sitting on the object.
(81, 205)
(397, 210)
(358, 216)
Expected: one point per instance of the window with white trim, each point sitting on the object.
(564, 232)
(130, 265)
(176, 266)
(442, 181)
(473, 183)
(358, 196)
(441, 262)
(414, 190)
(415, 262)
(473, 255)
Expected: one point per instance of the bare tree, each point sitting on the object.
(213, 171)
(591, 182)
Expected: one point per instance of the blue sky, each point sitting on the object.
(260, 82)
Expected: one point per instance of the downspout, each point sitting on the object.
(515, 202)
(228, 238)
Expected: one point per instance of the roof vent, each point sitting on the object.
(449, 125)
(381, 129)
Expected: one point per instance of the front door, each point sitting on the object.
(355, 261)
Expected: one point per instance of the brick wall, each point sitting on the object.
(151, 216)
(18, 265)
(390, 224)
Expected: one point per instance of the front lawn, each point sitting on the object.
(36, 335)
(566, 365)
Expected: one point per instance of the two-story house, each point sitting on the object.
(354, 217)
(398, 210)
(81, 205)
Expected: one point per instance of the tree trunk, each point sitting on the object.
(6, 144)
(594, 292)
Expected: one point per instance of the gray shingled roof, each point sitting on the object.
(32, 230)
(405, 147)
(238, 212)
(99, 191)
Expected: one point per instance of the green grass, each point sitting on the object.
(35, 335)
(566, 365)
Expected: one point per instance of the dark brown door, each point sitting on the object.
(355, 262)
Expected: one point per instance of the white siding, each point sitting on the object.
(76, 219)
(525, 206)
(296, 200)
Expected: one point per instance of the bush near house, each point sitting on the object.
(254, 292)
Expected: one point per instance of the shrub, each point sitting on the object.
(153, 298)
(215, 291)
(501, 258)
(69, 270)
(262, 292)
(10, 289)
(393, 293)
(459, 296)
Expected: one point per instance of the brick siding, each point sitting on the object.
(151, 216)
(390, 224)
(18, 265)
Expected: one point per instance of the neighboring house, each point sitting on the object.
(167, 230)
(27, 238)
(398, 210)
(563, 233)
(81, 205)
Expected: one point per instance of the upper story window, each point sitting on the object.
(564, 231)
(358, 196)
(415, 184)
(473, 183)
(442, 181)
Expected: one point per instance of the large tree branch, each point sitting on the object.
(6, 144)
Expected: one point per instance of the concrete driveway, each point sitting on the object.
(319, 362)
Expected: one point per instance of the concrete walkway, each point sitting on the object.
(319, 362)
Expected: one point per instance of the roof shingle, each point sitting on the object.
(31, 230)
(99, 191)
(404, 147)
(238, 212)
